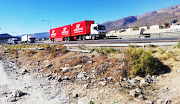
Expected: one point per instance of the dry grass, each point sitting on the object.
(30, 53)
(111, 64)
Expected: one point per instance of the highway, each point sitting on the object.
(118, 41)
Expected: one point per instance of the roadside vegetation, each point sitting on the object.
(143, 63)
(105, 66)
(129, 62)
(178, 45)
(105, 51)
(30, 50)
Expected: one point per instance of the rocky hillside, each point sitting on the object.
(5, 36)
(167, 15)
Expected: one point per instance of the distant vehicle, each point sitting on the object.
(12, 41)
(28, 39)
(81, 30)
(142, 35)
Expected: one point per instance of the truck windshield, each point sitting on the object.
(101, 27)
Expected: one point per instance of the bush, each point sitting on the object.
(132, 46)
(106, 50)
(82, 47)
(55, 50)
(97, 50)
(112, 50)
(143, 63)
(62, 49)
(161, 51)
(152, 46)
(178, 45)
(92, 56)
(30, 52)
(152, 51)
(136, 27)
(12, 51)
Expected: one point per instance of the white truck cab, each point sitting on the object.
(98, 31)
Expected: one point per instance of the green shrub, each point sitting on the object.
(97, 50)
(92, 56)
(161, 51)
(152, 46)
(178, 45)
(82, 47)
(152, 51)
(143, 63)
(55, 50)
(105, 50)
(132, 46)
(112, 50)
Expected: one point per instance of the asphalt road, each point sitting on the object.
(118, 41)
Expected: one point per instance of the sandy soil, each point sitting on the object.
(39, 90)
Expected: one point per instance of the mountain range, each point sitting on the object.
(41, 35)
(5, 36)
(160, 17)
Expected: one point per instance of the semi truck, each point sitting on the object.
(28, 39)
(81, 30)
(12, 41)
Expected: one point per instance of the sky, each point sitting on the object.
(19, 17)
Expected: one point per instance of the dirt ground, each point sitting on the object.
(96, 69)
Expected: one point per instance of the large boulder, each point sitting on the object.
(81, 75)
(65, 69)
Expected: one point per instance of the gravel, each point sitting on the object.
(28, 88)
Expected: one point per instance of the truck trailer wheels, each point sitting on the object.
(67, 39)
(93, 37)
(83, 37)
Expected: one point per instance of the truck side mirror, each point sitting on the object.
(95, 28)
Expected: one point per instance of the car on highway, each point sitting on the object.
(12, 41)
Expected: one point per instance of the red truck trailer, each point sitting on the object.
(58, 34)
(81, 30)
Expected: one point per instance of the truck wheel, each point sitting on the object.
(80, 37)
(93, 37)
(105, 38)
(83, 37)
(67, 39)
(52, 40)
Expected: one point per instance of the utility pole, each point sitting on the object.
(48, 22)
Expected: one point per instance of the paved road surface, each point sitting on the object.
(118, 41)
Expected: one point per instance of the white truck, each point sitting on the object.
(28, 39)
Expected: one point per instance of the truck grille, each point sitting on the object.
(102, 32)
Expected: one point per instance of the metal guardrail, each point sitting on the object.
(152, 35)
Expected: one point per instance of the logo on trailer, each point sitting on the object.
(53, 34)
(65, 32)
(78, 28)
